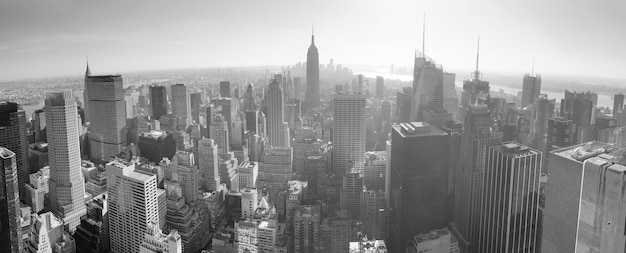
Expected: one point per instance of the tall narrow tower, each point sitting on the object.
(107, 114)
(10, 229)
(348, 132)
(181, 105)
(276, 117)
(13, 137)
(66, 185)
(312, 97)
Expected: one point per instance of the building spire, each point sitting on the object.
(424, 35)
(87, 72)
(312, 35)
(476, 72)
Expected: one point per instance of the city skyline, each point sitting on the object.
(193, 36)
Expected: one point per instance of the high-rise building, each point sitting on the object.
(580, 108)
(368, 246)
(419, 175)
(574, 178)
(297, 88)
(155, 241)
(180, 216)
(39, 125)
(510, 206)
(195, 101)
(10, 225)
(352, 193)
(181, 105)
(219, 133)
(249, 202)
(208, 165)
(92, 235)
(13, 137)
(133, 204)
(258, 233)
(475, 90)
(348, 132)
(531, 89)
(107, 116)
(560, 133)
(248, 172)
(306, 223)
(225, 89)
(427, 87)
(374, 214)
(66, 185)
(158, 101)
(249, 102)
(436, 241)
(618, 103)
(37, 189)
(275, 117)
(380, 87)
(376, 170)
(276, 165)
(403, 105)
(45, 230)
(468, 184)
(312, 95)
(156, 144)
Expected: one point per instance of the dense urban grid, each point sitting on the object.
(310, 158)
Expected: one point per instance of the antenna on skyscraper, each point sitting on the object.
(476, 73)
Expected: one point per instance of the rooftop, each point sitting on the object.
(584, 151)
(154, 134)
(417, 129)
(432, 235)
(6, 153)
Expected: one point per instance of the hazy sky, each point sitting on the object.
(53, 38)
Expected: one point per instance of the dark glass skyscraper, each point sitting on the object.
(158, 101)
(312, 96)
(531, 89)
(10, 228)
(419, 181)
(13, 137)
(427, 87)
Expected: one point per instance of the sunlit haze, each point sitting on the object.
(44, 39)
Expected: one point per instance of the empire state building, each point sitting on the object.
(312, 96)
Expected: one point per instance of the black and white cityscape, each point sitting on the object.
(312, 126)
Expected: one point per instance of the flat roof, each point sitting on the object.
(417, 129)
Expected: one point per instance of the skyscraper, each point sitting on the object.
(66, 185)
(352, 193)
(348, 132)
(10, 226)
(419, 180)
(13, 137)
(107, 115)
(208, 164)
(475, 90)
(181, 105)
(469, 175)
(427, 87)
(225, 89)
(312, 96)
(306, 223)
(219, 133)
(618, 103)
(195, 100)
(560, 133)
(531, 89)
(133, 204)
(158, 101)
(510, 206)
(275, 117)
(380, 86)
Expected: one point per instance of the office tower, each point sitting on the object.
(181, 105)
(228, 107)
(133, 204)
(375, 170)
(39, 125)
(352, 193)
(13, 137)
(348, 132)
(276, 165)
(248, 174)
(568, 182)
(219, 133)
(618, 103)
(208, 165)
(155, 145)
(541, 110)
(155, 241)
(228, 172)
(306, 238)
(158, 101)
(180, 216)
(306, 144)
(258, 233)
(238, 131)
(312, 95)
(249, 102)
(182, 140)
(169, 122)
(403, 105)
(249, 202)
(427, 90)
(37, 189)
(419, 179)
(580, 108)
(66, 185)
(225, 89)
(162, 204)
(107, 116)
(450, 96)
(510, 205)
(559, 134)
(45, 230)
(297, 87)
(380, 87)
(601, 218)
(275, 116)
(436, 241)
(339, 228)
(10, 229)
(92, 235)
(531, 89)
(252, 121)
(295, 196)
(374, 214)
(183, 171)
(209, 114)
(195, 101)
(468, 183)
